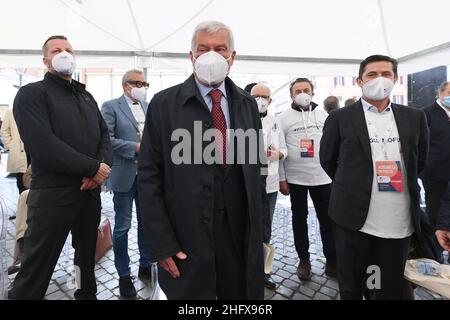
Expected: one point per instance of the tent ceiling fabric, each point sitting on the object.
(324, 29)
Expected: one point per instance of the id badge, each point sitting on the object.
(389, 176)
(307, 148)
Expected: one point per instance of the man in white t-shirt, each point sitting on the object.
(276, 148)
(373, 150)
(301, 173)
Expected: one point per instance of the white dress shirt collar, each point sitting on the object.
(368, 107)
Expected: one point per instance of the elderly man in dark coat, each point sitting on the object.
(202, 218)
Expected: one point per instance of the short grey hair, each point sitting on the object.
(263, 85)
(127, 76)
(443, 86)
(212, 27)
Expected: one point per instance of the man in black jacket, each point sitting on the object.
(436, 175)
(373, 151)
(443, 222)
(69, 145)
(203, 219)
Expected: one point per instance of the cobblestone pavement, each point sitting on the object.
(289, 287)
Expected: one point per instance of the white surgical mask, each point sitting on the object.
(138, 93)
(64, 63)
(303, 100)
(211, 68)
(263, 104)
(378, 89)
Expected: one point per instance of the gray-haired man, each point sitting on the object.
(125, 117)
(203, 220)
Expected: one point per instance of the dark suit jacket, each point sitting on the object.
(177, 201)
(346, 156)
(438, 163)
(443, 220)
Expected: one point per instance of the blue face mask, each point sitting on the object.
(447, 101)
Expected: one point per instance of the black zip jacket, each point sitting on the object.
(63, 130)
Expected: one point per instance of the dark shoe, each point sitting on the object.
(145, 274)
(13, 269)
(330, 271)
(269, 283)
(304, 270)
(126, 288)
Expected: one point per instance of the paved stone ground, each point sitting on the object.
(289, 287)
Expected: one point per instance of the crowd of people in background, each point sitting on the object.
(208, 224)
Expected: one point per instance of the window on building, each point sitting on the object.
(398, 99)
(339, 81)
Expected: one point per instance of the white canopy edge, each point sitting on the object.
(166, 62)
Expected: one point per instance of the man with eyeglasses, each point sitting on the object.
(125, 117)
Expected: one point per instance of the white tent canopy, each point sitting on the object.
(284, 36)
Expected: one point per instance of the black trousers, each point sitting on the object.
(19, 182)
(434, 191)
(356, 252)
(48, 228)
(299, 202)
(229, 230)
(230, 266)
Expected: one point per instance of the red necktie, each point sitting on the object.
(219, 122)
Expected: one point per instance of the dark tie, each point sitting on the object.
(219, 121)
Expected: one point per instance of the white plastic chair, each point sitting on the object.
(157, 293)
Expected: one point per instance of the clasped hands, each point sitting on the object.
(102, 174)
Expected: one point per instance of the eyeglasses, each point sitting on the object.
(139, 84)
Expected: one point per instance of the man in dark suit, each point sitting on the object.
(125, 117)
(202, 218)
(443, 222)
(373, 151)
(436, 175)
(68, 141)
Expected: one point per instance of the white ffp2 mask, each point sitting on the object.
(138, 93)
(378, 89)
(263, 104)
(211, 68)
(303, 100)
(64, 63)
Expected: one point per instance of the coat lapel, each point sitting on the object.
(191, 91)
(237, 120)
(360, 125)
(125, 108)
(403, 130)
(234, 100)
